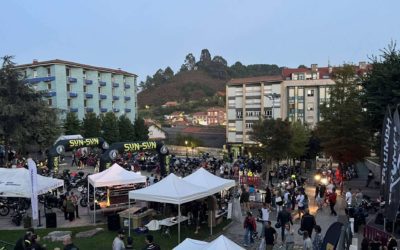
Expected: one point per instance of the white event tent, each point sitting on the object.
(172, 189)
(15, 182)
(220, 243)
(113, 176)
(211, 182)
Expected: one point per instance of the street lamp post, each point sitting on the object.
(272, 97)
(186, 143)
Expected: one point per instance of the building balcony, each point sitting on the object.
(127, 110)
(89, 109)
(40, 79)
(73, 94)
(74, 110)
(115, 85)
(115, 98)
(88, 82)
(89, 96)
(116, 110)
(127, 98)
(102, 83)
(51, 94)
(127, 86)
(103, 110)
(72, 79)
(103, 97)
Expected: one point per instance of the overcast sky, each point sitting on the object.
(141, 36)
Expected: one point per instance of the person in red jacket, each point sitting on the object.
(250, 227)
(332, 201)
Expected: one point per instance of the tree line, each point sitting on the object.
(216, 67)
(109, 126)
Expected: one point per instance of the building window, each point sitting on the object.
(239, 114)
(68, 72)
(84, 74)
(249, 113)
(99, 75)
(99, 90)
(68, 87)
(84, 88)
(310, 92)
(257, 113)
(50, 101)
(249, 125)
(48, 71)
(268, 113)
(99, 103)
(69, 103)
(49, 86)
(301, 77)
(310, 106)
(85, 103)
(34, 73)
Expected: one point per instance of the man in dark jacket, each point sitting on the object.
(284, 217)
(308, 222)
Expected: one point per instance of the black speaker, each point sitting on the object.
(113, 222)
(51, 220)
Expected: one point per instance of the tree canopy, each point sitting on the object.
(342, 131)
(72, 125)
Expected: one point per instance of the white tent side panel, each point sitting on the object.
(191, 244)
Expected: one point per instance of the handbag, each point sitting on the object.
(278, 225)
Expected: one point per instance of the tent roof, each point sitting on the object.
(171, 189)
(213, 183)
(15, 182)
(220, 243)
(115, 175)
(68, 137)
(191, 244)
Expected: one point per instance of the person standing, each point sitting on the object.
(118, 243)
(370, 177)
(64, 207)
(265, 211)
(250, 226)
(150, 245)
(74, 199)
(348, 197)
(332, 201)
(307, 245)
(391, 244)
(289, 238)
(270, 236)
(284, 217)
(300, 203)
(70, 208)
(308, 222)
(318, 239)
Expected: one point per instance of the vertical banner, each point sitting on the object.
(34, 193)
(393, 173)
(386, 154)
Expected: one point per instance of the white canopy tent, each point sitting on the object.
(220, 243)
(212, 183)
(15, 182)
(171, 189)
(113, 176)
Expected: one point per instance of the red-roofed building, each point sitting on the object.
(216, 116)
(200, 118)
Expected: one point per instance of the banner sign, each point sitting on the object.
(393, 171)
(34, 192)
(386, 153)
(139, 146)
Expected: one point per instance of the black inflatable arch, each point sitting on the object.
(124, 147)
(68, 145)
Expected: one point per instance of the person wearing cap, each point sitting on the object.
(118, 243)
(20, 244)
(150, 245)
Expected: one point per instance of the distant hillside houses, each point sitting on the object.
(214, 116)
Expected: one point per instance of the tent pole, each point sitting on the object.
(211, 220)
(94, 204)
(179, 223)
(129, 216)
(88, 197)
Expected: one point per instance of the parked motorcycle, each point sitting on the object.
(100, 196)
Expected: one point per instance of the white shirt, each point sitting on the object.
(221, 170)
(348, 197)
(300, 200)
(118, 244)
(265, 214)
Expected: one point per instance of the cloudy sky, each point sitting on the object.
(142, 36)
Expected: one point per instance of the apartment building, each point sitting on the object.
(216, 116)
(81, 88)
(296, 95)
(247, 99)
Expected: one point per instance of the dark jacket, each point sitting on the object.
(284, 217)
(308, 222)
(152, 246)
